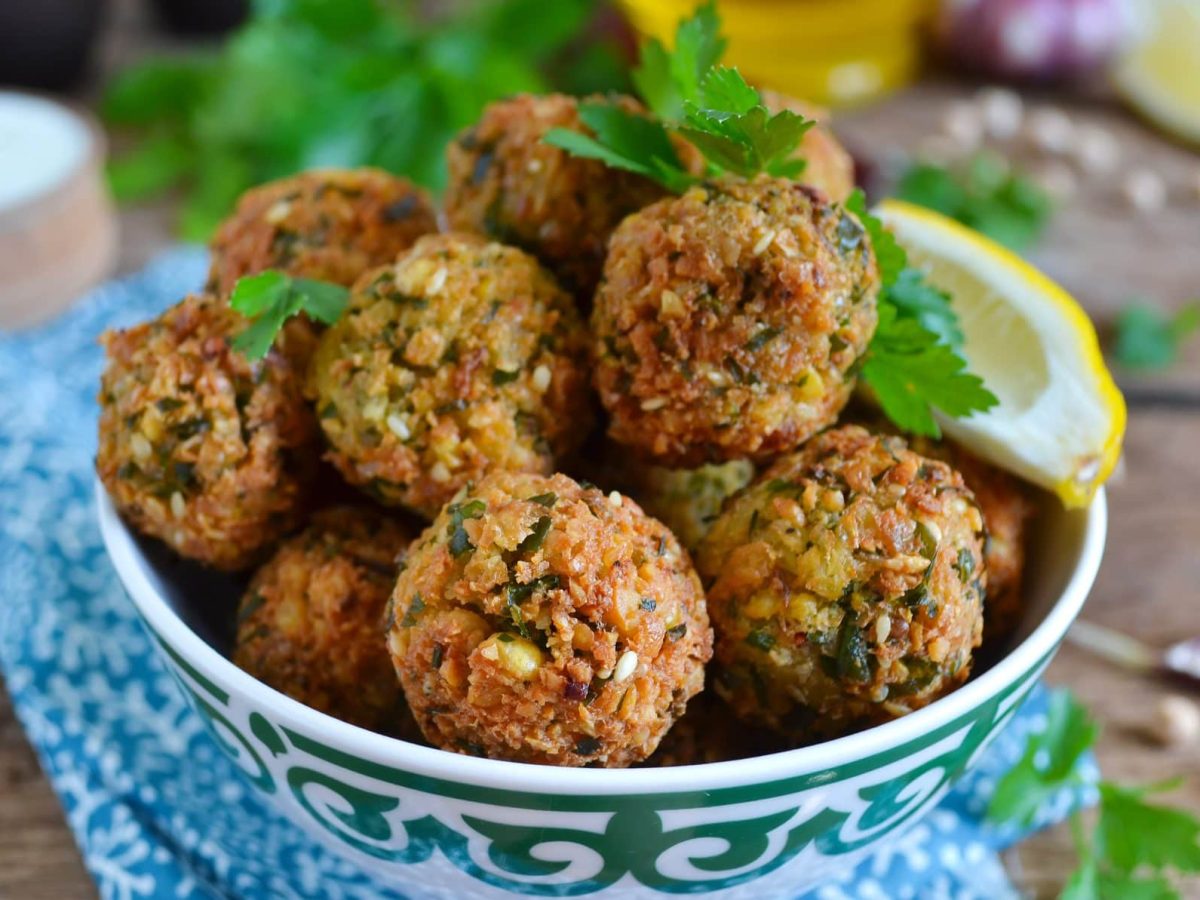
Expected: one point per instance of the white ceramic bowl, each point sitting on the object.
(444, 825)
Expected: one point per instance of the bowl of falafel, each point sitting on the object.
(570, 556)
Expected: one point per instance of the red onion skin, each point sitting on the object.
(1033, 40)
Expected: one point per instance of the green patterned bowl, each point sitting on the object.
(443, 825)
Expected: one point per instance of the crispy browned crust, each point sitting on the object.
(198, 446)
(311, 623)
(605, 606)
(463, 357)
(729, 320)
(507, 183)
(1007, 506)
(329, 224)
(845, 585)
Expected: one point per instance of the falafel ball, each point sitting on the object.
(846, 586)
(730, 319)
(311, 623)
(827, 164)
(199, 446)
(329, 224)
(541, 621)
(461, 358)
(688, 500)
(507, 183)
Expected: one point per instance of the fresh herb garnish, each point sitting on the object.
(983, 195)
(270, 298)
(1138, 849)
(913, 364)
(1149, 339)
(547, 499)
(689, 95)
(667, 79)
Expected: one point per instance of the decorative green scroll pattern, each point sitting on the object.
(765, 826)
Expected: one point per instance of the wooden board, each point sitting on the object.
(1104, 254)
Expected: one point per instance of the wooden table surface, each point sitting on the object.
(1149, 584)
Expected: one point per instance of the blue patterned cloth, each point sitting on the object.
(155, 807)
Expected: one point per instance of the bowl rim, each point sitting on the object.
(542, 779)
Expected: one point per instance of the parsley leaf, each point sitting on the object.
(1132, 833)
(1148, 339)
(889, 255)
(713, 107)
(270, 298)
(624, 140)
(1137, 849)
(913, 363)
(983, 195)
(733, 129)
(911, 371)
(667, 79)
(1048, 763)
(915, 298)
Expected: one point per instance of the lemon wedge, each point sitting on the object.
(1160, 74)
(1060, 419)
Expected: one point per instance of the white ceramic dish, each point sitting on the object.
(443, 825)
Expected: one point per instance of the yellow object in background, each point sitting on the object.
(1160, 74)
(834, 52)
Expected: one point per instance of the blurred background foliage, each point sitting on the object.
(307, 83)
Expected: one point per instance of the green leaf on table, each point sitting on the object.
(157, 90)
(984, 195)
(912, 373)
(1149, 339)
(1134, 835)
(270, 298)
(159, 163)
(1048, 764)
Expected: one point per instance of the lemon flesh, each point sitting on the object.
(1060, 419)
(1160, 74)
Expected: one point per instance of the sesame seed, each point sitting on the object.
(614, 499)
(653, 403)
(763, 243)
(278, 212)
(541, 378)
(437, 281)
(625, 665)
(140, 446)
(883, 628)
(397, 426)
(178, 508)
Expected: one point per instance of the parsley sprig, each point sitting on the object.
(270, 298)
(914, 362)
(1137, 848)
(691, 96)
